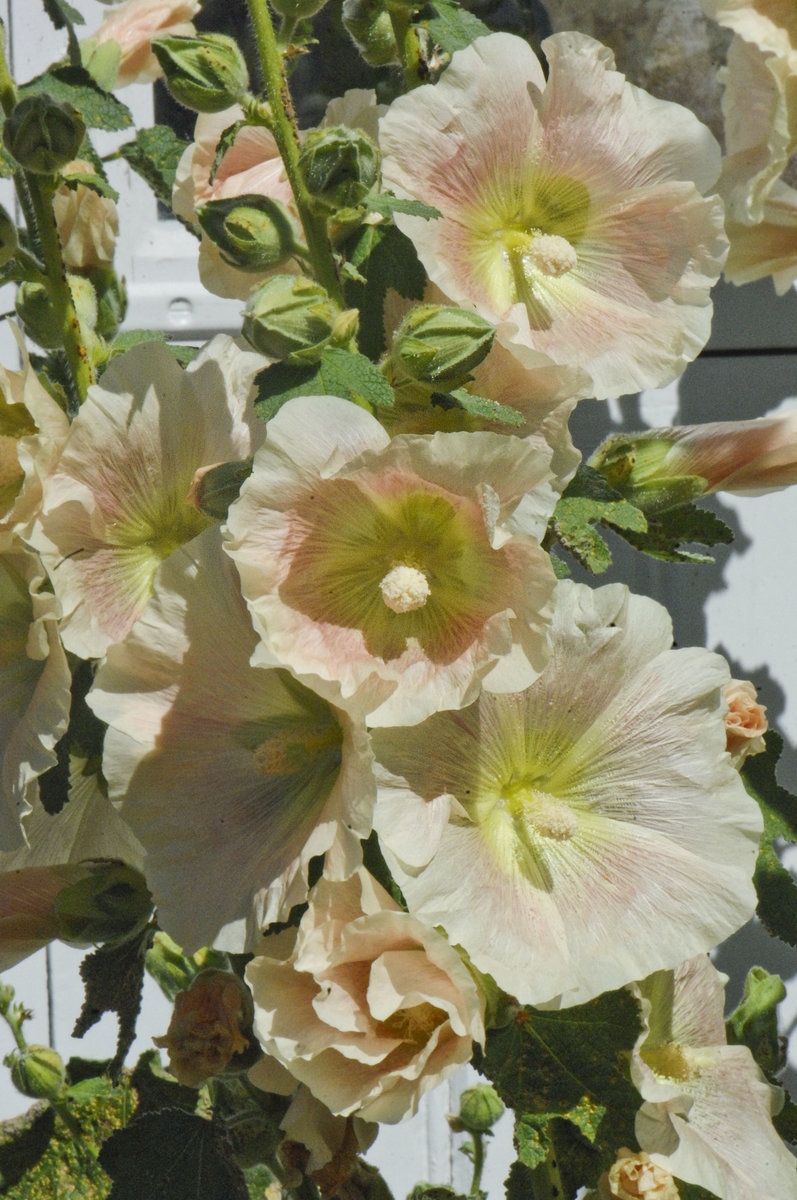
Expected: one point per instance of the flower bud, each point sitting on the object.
(290, 317)
(479, 1109)
(205, 1032)
(38, 317)
(42, 134)
(253, 233)
(111, 296)
(745, 721)
(635, 466)
(9, 242)
(109, 904)
(755, 1022)
(38, 1072)
(84, 299)
(215, 487)
(441, 345)
(206, 73)
(371, 30)
(340, 165)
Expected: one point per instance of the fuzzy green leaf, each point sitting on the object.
(113, 977)
(454, 27)
(777, 892)
(588, 501)
(223, 145)
(386, 204)
(75, 86)
(385, 258)
(62, 14)
(93, 181)
(479, 406)
(685, 524)
(154, 155)
(338, 373)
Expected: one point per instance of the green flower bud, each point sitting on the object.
(253, 233)
(111, 296)
(755, 1022)
(340, 165)
(293, 318)
(84, 299)
(441, 345)
(110, 904)
(479, 1109)
(43, 135)
(298, 10)
(9, 243)
(6, 997)
(206, 73)
(37, 315)
(634, 466)
(371, 30)
(38, 1072)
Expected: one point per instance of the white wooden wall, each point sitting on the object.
(743, 606)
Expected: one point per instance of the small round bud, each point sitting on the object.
(38, 1072)
(479, 1109)
(441, 345)
(290, 317)
(111, 300)
(340, 165)
(253, 233)
(207, 72)
(9, 242)
(371, 30)
(109, 904)
(43, 135)
(38, 317)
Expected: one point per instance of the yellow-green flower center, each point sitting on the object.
(668, 1061)
(415, 1024)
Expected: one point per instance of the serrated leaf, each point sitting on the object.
(454, 27)
(338, 373)
(385, 203)
(588, 501)
(62, 14)
(479, 406)
(172, 1155)
(154, 155)
(385, 258)
(75, 86)
(223, 145)
(777, 892)
(686, 524)
(113, 977)
(93, 181)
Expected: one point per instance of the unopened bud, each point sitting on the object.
(84, 299)
(38, 317)
(293, 318)
(206, 1030)
(111, 296)
(42, 134)
(340, 165)
(479, 1109)
(206, 73)
(441, 345)
(111, 903)
(9, 242)
(370, 28)
(253, 233)
(38, 1072)
(635, 466)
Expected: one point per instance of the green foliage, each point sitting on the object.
(755, 1022)
(386, 204)
(586, 502)
(75, 86)
(172, 1155)
(786, 1122)
(113, 977)
(478, 406)
(454, 27)
(93, 181)
(62, 14)
(777, 892)
(154, 154)
(384, 258)
(338, 373)
(83, 739)
(668, 531)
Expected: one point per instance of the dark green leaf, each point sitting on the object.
(690, 1191)
(386, 259)
(777, 892)
(83, 739)
(157, 1089)
(172, 1155)
(454, 28)
(154, 155)
(668, 531)
(479, 406)
(220, 486)
(338, 373)
(113, 977)
(386, 204)
(786, 1122)
(587, 502)
(224, 143)
(93, 181)
(62, 14)
(75, 86)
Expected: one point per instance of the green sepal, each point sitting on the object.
(479, 406)
(337, 373)
(777, 891)
(74, 85)
(385, 203)
(755, 1022)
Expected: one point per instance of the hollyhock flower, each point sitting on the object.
(587, 239)
(227, 773)
(133, 26)
(596, 815)
(745, 721)
(634, 1176)
(116, 505)
(707, 1115)
(394, 574)
(364, 1004)
(768, 247)
(87, 223)
(206, 1029)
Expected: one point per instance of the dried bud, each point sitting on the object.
(293, 318)
(205, 1031)
(479, 1109)
(38, 317)
(38, 1072)
(9, 243)
(43, 135)
(340, 165)
(253, 233)
(111, 903)
(370, 28)
(207, 73)
(441, 345)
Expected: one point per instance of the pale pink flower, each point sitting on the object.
(596, 816)
(745, 721)
(134, 24)
(707, 1115)
(573, 213)
(364, 1004)
(229, 774)
(87, 223)
(394, 575)
(116, 504)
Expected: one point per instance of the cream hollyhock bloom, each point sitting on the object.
(87, 223)
(364, 1004)
(745, 721)
(116, 505)
(586, 238)
(770, 246)
(229, 774)
(394, 575)
(133, 26)
(635, 1177)
(707, 1115)
(595, 818)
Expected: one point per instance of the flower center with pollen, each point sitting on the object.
(536, 253)
(542, 813)
(404, 588)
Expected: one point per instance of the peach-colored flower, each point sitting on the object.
(634, 1176)
(205, 1031)
(364, 1004)
(87, 223)
(573, 214)
(745, 721)
(134, 24)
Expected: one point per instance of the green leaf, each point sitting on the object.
(93, 181)
(224, 143)
(385, 258)
(667, 531)
(588, 501)
(454, 27)
(113, 977)
(62, 14)
(386, 204)
(777, 892)
(691, 1191)
(7, 164)
(172, 1155)
(75, 86)
(785, 1122)
(102, 62)
(479, 406)
(154, 155)
(134, 337)
(220, 486)
(338, 373)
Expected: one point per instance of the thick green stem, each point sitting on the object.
(283, 127)
(478, 1166)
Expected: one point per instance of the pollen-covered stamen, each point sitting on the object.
(551, 255)
(542, 813)
(405, 588)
